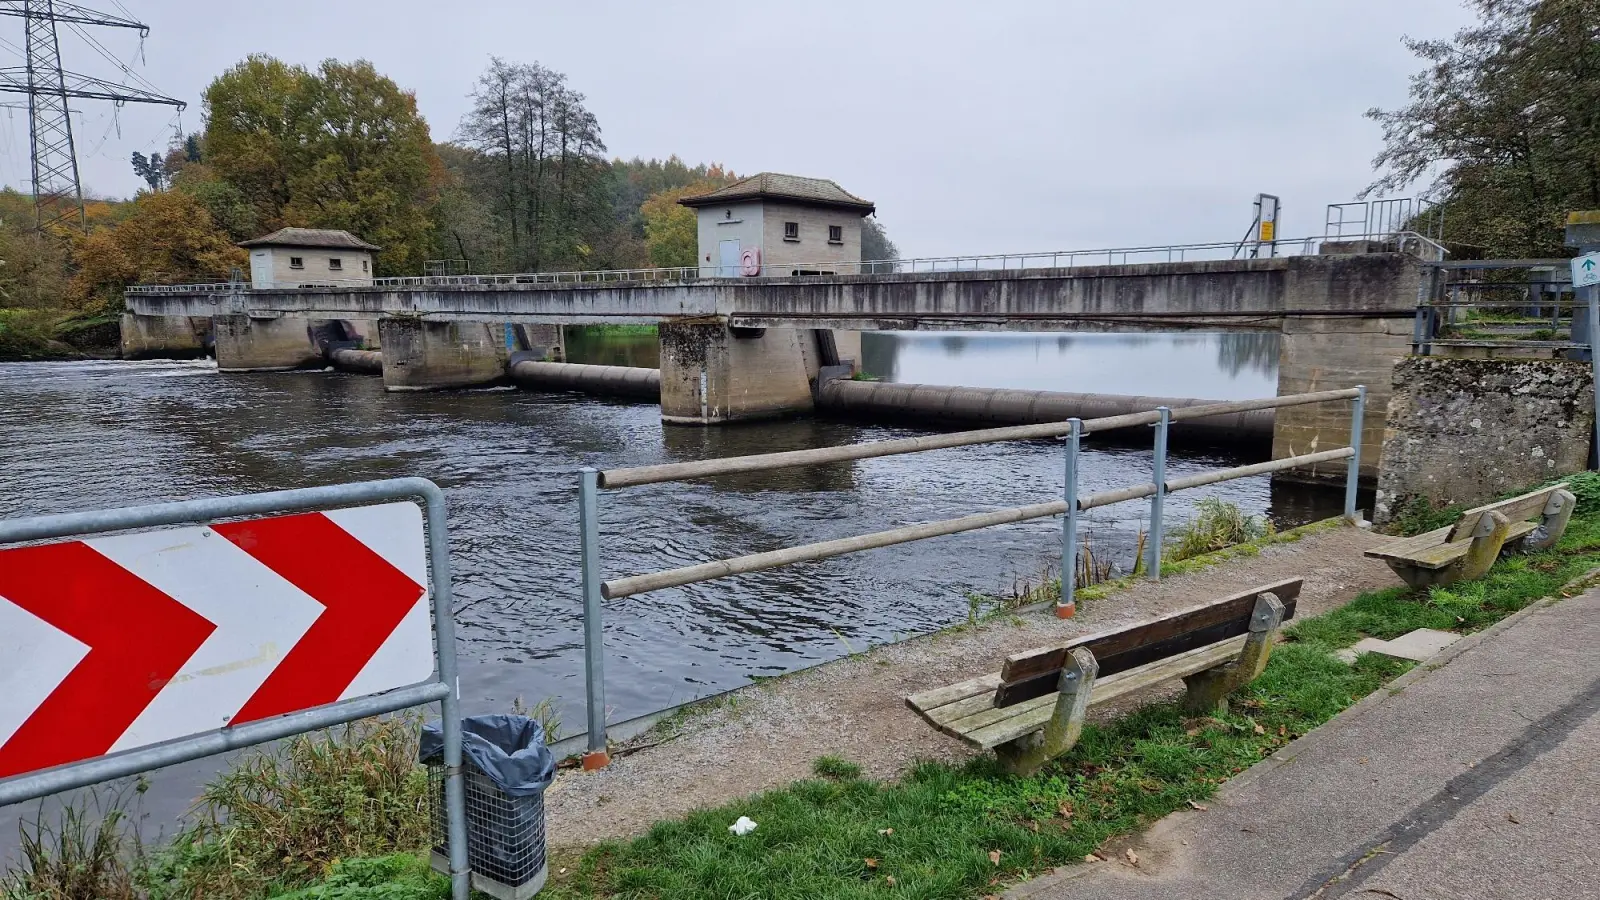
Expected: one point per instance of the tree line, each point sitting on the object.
(523, 184)
(1502, 127)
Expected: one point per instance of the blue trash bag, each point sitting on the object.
(509, 750)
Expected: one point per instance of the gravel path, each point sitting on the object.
(768, 735)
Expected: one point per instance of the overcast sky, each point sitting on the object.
(975, 127)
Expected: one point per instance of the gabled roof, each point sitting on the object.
(812, 191)
(311, 237)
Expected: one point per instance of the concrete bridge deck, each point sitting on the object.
(1216, 294)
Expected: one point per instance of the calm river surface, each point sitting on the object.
(85, 435)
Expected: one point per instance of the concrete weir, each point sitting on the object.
(735, 349)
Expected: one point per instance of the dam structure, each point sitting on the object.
(749, 347)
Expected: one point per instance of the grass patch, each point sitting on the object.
(89, 850)
(937, 833)
(834, 767)
(1217, 525)
(1215, 558)
(963, 831)
(398, 877)
(280, 820)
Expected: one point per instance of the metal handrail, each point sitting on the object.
(591, 481)
(1171, 253)
(763, 462)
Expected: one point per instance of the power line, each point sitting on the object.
(57, 188)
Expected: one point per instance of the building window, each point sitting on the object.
(335, 264)
(297, 262)
(363, 265)
(791, 231)
(835, 234)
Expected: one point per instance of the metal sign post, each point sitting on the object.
(138, 645)
(1583, 232)
(1267, 223)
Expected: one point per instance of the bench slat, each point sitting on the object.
(1030, 716)
(1405, 548)
(1516, 509)
(1106, 645)
(1442, 556)
(929, 700)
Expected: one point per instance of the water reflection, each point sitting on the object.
(1223, 366)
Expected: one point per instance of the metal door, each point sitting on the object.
(728, 259)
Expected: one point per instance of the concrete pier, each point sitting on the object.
(711, 374)
(421, 355)
(249, 344)
(165, 337)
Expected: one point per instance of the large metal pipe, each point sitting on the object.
(366, 362)
(615, 381)
(1004, 406)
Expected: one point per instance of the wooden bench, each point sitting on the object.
(1032, 710)
(1465, 550)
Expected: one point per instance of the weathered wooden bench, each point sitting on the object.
(1465, 550)
(1032, 710)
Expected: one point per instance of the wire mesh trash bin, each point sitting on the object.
(505, 769)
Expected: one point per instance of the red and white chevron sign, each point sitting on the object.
(111, 643)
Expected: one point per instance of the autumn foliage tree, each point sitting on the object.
(166, 238)
(671, 231)
(341, 147)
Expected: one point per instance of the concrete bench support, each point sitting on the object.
(419, 355)
(1208, 691)
(1028, 753)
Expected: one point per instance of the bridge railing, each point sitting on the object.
(596, 590)
(1405, 242)
(1521, 306)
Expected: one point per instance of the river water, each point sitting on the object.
(86, 435)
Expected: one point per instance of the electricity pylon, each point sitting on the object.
(57, 190)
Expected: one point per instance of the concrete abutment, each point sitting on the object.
(165, 337)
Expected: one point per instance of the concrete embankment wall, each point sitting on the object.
(1466, 431)
(941, 404)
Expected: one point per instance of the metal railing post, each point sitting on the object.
(455, 792)
(1353, 473)
(1067, 606)
(594, 648)
(1153, 552)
